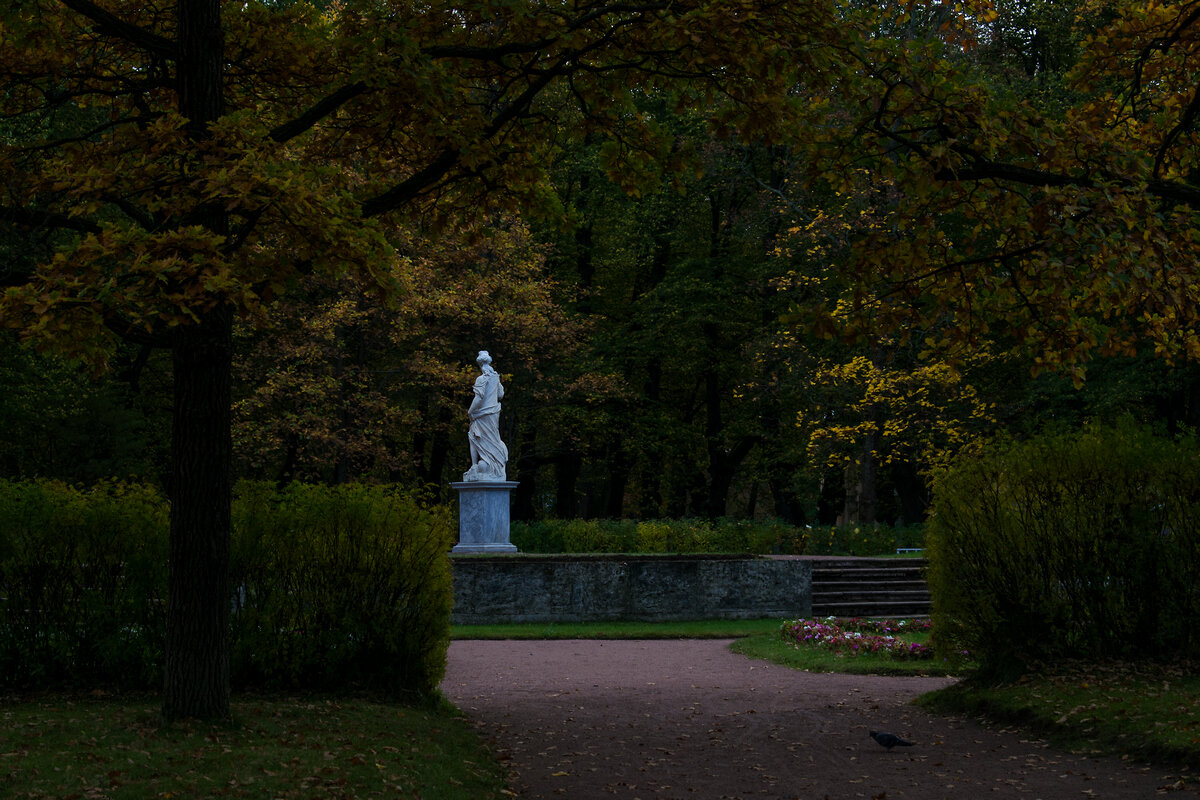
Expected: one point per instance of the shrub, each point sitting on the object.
(82, 584)
(1068, 545)
(333, 587)
(537, 537)
(862, 540)
(652, 537)
(338, 586)
(704, 536)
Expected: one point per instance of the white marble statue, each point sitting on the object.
(488, 453)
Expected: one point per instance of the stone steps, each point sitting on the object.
(869, 587)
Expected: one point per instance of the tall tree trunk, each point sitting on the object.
(788, 507)
(566, 472)
(648, 483)
(724, 460)
(287, 472)
(723, 466)
(910, 488)
(861, 486)
(196, 680)
(868, 501)
(527, 471)
(342, 467)
(197, 656)
(616, 480)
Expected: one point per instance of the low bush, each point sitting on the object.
(1069, 545)
(596, 536)
(704, 536)
(337, 586)
(82, 584)
(333, 587)
(537, 537)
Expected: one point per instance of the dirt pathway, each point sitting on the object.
(689, 719)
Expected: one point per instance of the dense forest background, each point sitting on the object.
(651, 365)
(655, 331)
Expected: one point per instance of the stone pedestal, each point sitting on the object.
(483, 516)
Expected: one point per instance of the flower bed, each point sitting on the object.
(853, 637)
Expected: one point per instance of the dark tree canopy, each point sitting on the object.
(923, 180)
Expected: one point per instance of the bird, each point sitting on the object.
(889, 740)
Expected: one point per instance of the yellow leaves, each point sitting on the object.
(908, 408)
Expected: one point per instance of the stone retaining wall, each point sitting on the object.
(645, 588)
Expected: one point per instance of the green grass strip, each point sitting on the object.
(1147, 711)
(695, 629)
(772, 647)
(277, 748)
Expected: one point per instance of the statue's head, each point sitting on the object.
(483, 358)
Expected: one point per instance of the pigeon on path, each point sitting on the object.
(889, 740)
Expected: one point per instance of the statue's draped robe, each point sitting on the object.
(488, 453)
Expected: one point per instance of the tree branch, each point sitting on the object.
(477, 53)
(110, 24)
(497, 53)
(1187, 122)
(46, 219)
(412, 186)
(445, 161)
(134, 334)
(317, 112)
(983, 169)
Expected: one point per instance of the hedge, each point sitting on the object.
(334, 587)
(1068, 545)
(708, 536)
(82, 584)
(345, 585)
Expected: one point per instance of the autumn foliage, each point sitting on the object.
(1054, 211)
(780, 238)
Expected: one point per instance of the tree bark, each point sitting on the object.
(723, 466)
(196, 675)
(566, 471)
(197, 655)
(616, 480)
(724, 461)
(912, 493)
(861, 487)
(527, 473)
(788, 507)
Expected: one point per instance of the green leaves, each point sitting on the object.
(1053, 548)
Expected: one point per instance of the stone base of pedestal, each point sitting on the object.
(483, 516)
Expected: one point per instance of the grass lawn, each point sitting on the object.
(702, 629)
(1141, 710)
(54, 747)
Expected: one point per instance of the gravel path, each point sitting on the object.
(688, 719)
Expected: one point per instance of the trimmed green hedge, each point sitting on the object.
(82, 584)
(1069, 545)
(345, 585)
(704, 536)
(334, 587)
